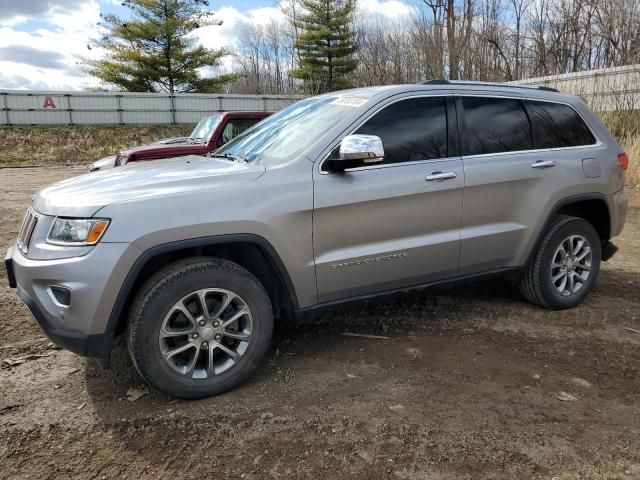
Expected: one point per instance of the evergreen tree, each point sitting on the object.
(326, 44)
(152, 51)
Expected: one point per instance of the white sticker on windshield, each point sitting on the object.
(349, 101)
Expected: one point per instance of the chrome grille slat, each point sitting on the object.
(26, 231)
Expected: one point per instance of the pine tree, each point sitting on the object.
(326, 44)
(152, 51)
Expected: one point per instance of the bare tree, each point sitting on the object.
(495, 40)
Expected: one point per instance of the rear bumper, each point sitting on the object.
(617, 211)
(87, 345)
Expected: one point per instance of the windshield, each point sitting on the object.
(205, 128)
(287, 133)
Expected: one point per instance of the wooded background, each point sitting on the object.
(489, 40)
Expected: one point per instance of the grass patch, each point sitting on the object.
(81, 145)
(44, 145)
(625, 126)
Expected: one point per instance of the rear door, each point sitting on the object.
(394, 224)
(508, 182)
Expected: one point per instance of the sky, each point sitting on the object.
(43, 41)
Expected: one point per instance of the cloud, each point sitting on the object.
(389, 8)
(48, 55)
(32, 56)
(17, 76)
(45, 52)
(18, 11)
(233, 23)
(14, 81)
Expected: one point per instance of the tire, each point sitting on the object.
(212, 360)
(537, 284)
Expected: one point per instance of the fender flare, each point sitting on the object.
(141, 261)
(563, 202)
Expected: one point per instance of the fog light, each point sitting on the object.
(60, 295)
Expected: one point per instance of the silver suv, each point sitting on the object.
(339, 197)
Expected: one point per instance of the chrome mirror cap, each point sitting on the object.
(367, 148)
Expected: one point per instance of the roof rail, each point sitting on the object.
(488, 84)
(436, 82)
(549, 89)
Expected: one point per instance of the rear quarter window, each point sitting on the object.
(556, 125)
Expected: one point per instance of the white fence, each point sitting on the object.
(606, 89)
(18, 107)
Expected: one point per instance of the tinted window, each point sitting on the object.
(414, 129)
(495, 125)
(556, 125)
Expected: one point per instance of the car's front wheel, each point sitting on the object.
(565, 266)
(199, 327)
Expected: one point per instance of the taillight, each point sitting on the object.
(623, 160)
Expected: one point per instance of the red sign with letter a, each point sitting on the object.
(49, 103)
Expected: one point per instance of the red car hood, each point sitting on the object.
(164, 151)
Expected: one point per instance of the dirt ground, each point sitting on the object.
(471, 383)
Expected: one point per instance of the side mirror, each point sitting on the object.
(366, 148)
(357, 149)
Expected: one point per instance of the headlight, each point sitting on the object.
(77, 231)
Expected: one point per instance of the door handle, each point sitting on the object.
(543, 164)
(440, 176)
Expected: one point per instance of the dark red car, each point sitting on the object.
(210, 133)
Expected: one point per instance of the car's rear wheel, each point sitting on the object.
(199, 327)
(565, 265)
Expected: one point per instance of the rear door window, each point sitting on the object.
(411, 130)
(495, 125)
(556, 125)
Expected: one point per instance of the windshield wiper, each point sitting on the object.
(228, 156)
(196, 139)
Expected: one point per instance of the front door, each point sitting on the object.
(397, 223)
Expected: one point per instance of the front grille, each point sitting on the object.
(26, 231)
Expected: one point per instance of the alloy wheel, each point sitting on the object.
(205, 333)
(571, 265)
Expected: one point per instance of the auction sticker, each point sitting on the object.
(349, 101)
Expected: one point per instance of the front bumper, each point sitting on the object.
(11, 274)
(93, 279)
(88, 345)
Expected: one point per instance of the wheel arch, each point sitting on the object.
(250, 251)
(591, 207)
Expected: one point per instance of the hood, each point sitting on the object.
(83, 196)
(171, 141)
(160, 150)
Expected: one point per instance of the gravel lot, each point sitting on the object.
(471, 383)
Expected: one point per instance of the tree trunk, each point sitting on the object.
(451, 40)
